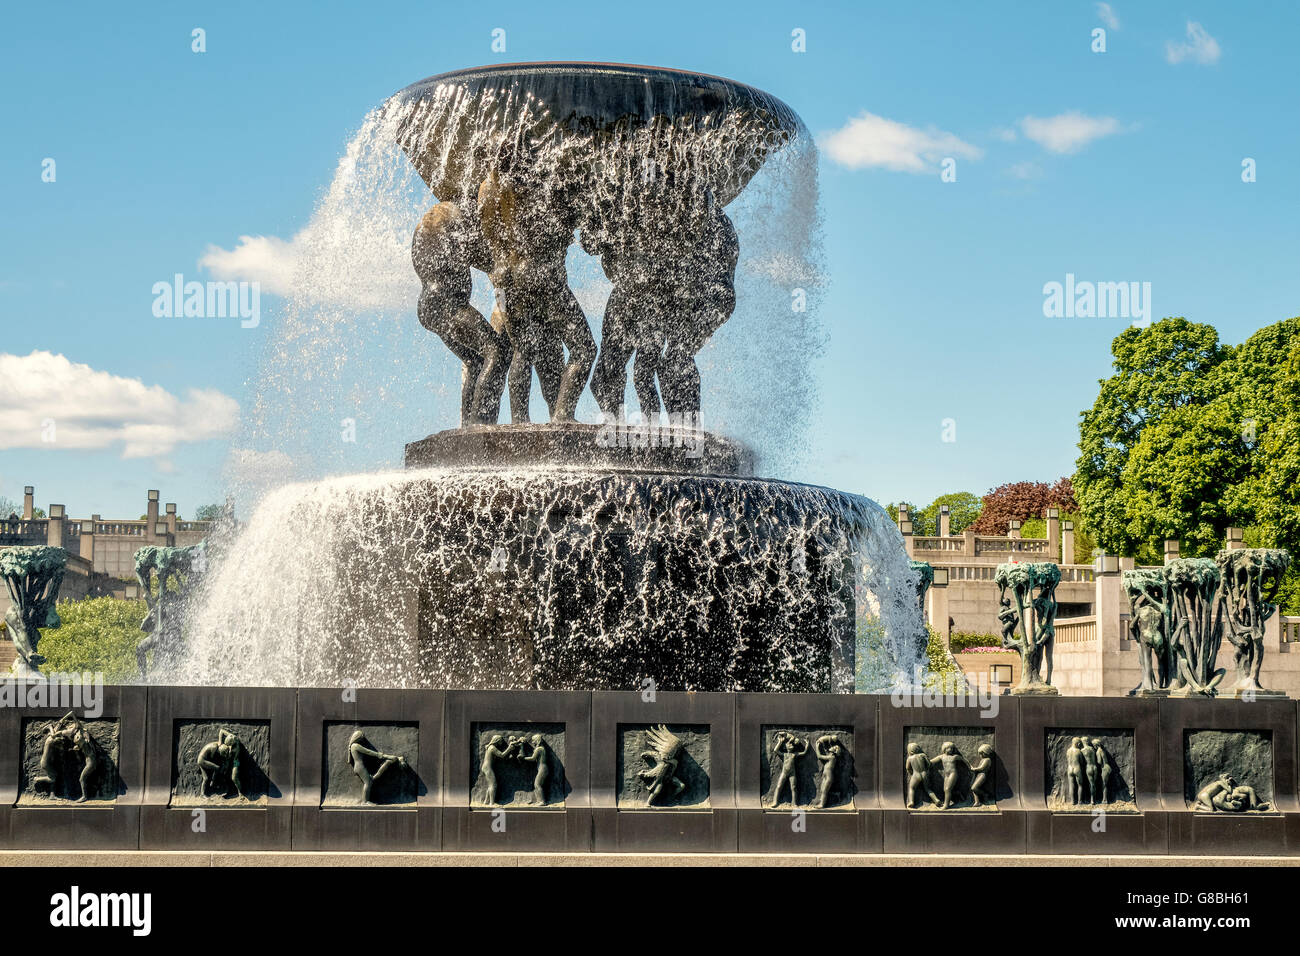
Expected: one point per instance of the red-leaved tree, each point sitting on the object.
(1021, 500)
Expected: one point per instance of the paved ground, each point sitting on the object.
(112, 858)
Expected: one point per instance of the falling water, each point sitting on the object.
(542, 577)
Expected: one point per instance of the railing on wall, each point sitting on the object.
(1076, 630)
(1290, 630)
(24, 532)
(126, 529)
(1070, 573)
(940, 544)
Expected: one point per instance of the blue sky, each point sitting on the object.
(1116, 166)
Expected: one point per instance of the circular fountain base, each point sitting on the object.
(622, 447)
(546, 560)
(544, 578)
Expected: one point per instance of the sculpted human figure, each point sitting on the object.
(44, 781)
(1045, 624)
(221, 758)
(918, 776)
(358, 750)
(447, 243)
(662, 775)
(497, 749)
(1074, 771)
(829, 750)
(981, 790)
(789, 747)
(537, 755)
(80, 741)
(1148, 623)
(1101, 792)
(705, 298)
(528, 228)
(633, 261)
(1090, 768)
(166, 577)
(952, 762)
(1226, 795)
(1010, 619)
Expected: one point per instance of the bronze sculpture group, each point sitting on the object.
(167, 578)
(1088, 769)
(671, 265)
(788, 750)
(32, 577)
(954, 770)
(67, 735)
(222, 766)
(1029, 624)
(1181, 613)
(527, 749)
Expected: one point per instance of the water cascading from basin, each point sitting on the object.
(557, 578)
(539, 556)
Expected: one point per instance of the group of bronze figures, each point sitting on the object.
(960, 777)
(671, 265)
(1088, 769)
(524, 748)
(72, 764)
(789, 749)
(168, 578)
(1181, 613)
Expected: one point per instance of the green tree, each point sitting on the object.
(97, 635)
(913, 510)
(208, 513)
(1158, 370)
(1189, 438)
(963, 511)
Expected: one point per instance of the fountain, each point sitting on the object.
(641, 550)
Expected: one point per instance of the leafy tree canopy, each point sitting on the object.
(1020, 500)
(1189, 437)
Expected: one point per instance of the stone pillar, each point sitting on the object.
(1111, 603)
(1128, 564)
(903, 515)
(945, 522)
(88, 541)
(54, 528)
(1013, 528)
(936, 603)
(1272, 638)
(1054, 535)
(968, 546)
(29, 502)
(162, 536)
(171, 518)
(1067, 542)
(151, 515)
(1171, 550)
(909, 543)
(1235, 542)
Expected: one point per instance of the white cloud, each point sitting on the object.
(44, 396)
(1107, 16)
(874, 141)
(1005, 133)
(1199, 48)
(269, 260)
(1068, 132)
